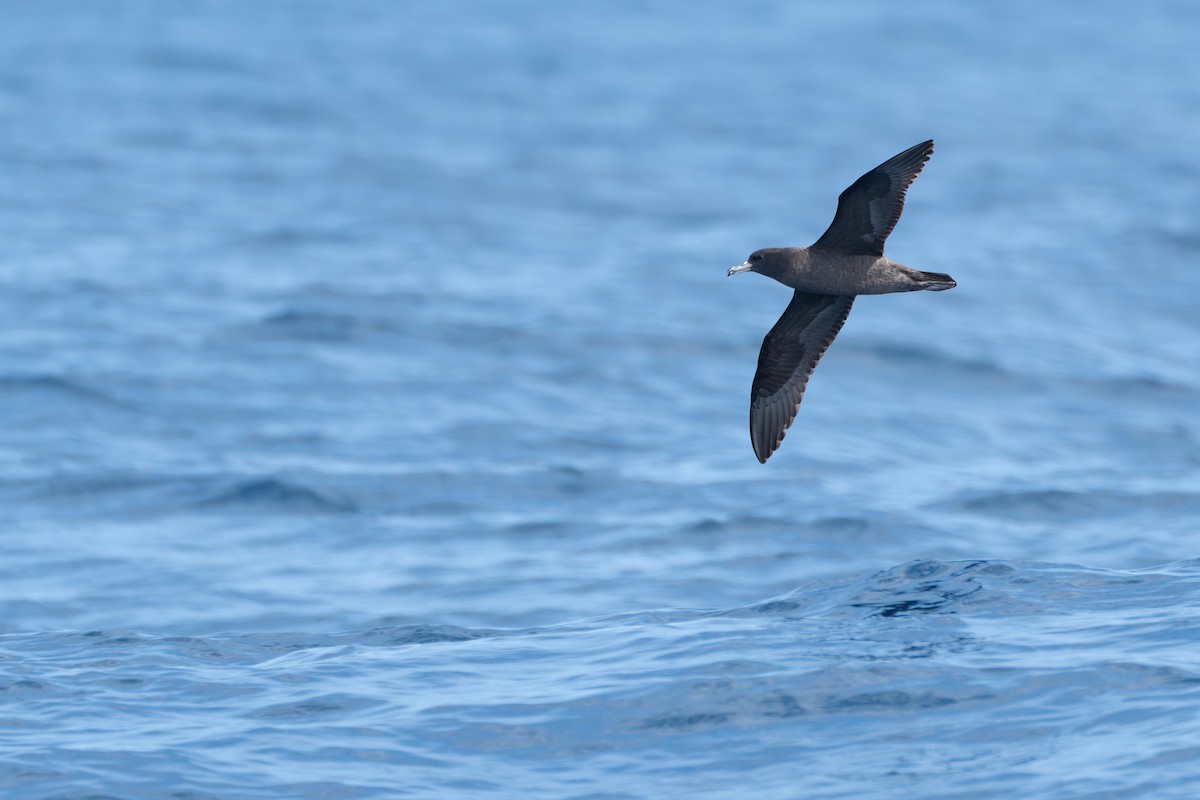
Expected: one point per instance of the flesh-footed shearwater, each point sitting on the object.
(846, 261)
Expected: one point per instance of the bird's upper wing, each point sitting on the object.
(870, 208)
(789, 354)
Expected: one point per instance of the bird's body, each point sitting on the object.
(823, 272)
(845, 262)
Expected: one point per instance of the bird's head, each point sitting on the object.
(772, 262)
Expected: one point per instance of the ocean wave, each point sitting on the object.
(276, 495)
(53, 388)
(1075, 505)
(973, 662)
(127, 493)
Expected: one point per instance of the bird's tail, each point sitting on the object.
(934, 281)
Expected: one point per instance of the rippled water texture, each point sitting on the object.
(374, 403)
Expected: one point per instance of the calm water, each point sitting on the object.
(374, 403)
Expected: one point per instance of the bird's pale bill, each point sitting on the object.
(742, 267)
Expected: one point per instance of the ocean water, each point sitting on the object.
(374, 403)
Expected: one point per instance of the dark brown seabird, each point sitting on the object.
(846, 261)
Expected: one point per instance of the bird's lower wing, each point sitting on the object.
(789, 354)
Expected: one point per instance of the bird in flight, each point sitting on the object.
(845, 262)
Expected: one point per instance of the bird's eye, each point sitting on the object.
(756, 257)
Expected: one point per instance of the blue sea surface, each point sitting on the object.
(374, 403)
